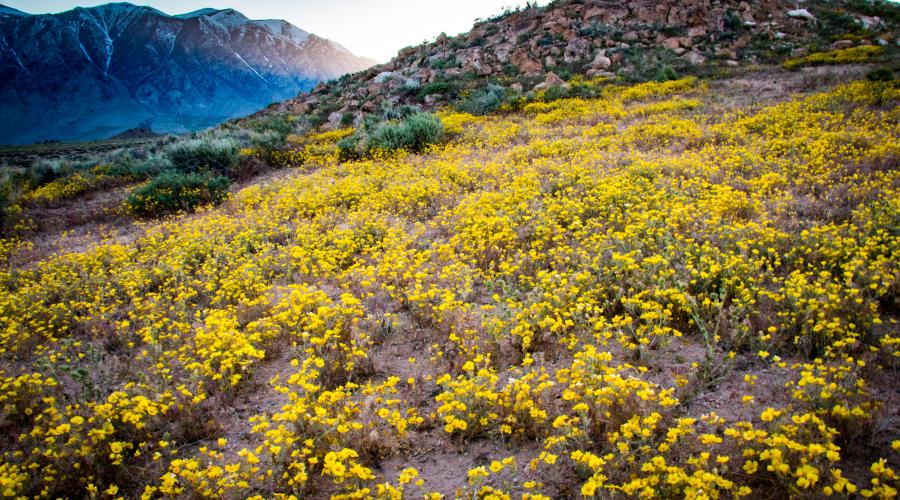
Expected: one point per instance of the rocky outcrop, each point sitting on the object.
(591, 37)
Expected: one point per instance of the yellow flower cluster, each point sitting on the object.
(472, 404)
(648, 294)
(62, 189)
(860, 54)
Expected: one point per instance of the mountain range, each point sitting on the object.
(91, 73)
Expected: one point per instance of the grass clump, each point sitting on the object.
(880, 75)
(173, 192)
(214, 155)
(413, 133)
(439, 88)
(653, 65)
(489, 100)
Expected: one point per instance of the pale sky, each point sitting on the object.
(375, 28)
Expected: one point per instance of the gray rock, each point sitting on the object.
(871, 22)
(601, 62)
(801, 14)
(631, 37)
(552, 80)
(694, 58)
(842, 44)
(384, 76)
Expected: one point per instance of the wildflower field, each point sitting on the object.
(647, 294)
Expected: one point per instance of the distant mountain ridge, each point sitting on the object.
(95, 72)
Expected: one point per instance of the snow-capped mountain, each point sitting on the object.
(94, 72)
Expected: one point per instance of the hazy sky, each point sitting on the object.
(375, 28)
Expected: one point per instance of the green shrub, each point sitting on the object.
(733, 21)
(546, 39)
(282, 125)
(412, 133)
(391, 112)
(6, 195)
(832, 21)
(351, 147)
(880, 75)
(172, 192)
(47, 171)
(267, 141)
(482, 102)
(658, 65)
(133, 170)
(556, 92)
(213, 155)
(446, 63)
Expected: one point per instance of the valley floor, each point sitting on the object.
(686, 288)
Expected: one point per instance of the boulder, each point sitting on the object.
(671, 43)
(694, 58)
(552, 80)
(594, 13)
(871, 22)
(426, 75)
(502, 51)
(384, 76)
(601, 62)
(697, 31)
(576, 50)
(524, 26)
(631, 37)
(473, 60)
(842, 44)
(406, 51)
(369, 106)
(801, 14)
(726, 53)
(522, 59)
(742, 41)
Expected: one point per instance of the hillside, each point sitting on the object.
(97, 72)
(637, 40)
(596, 286)
(650, 292)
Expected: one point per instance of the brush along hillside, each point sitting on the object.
(596, 287)
(501, 65)
(661, 291)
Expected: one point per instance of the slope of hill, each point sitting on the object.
(96, 72)
(639, 40)
(684, 288)
(661, 291)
